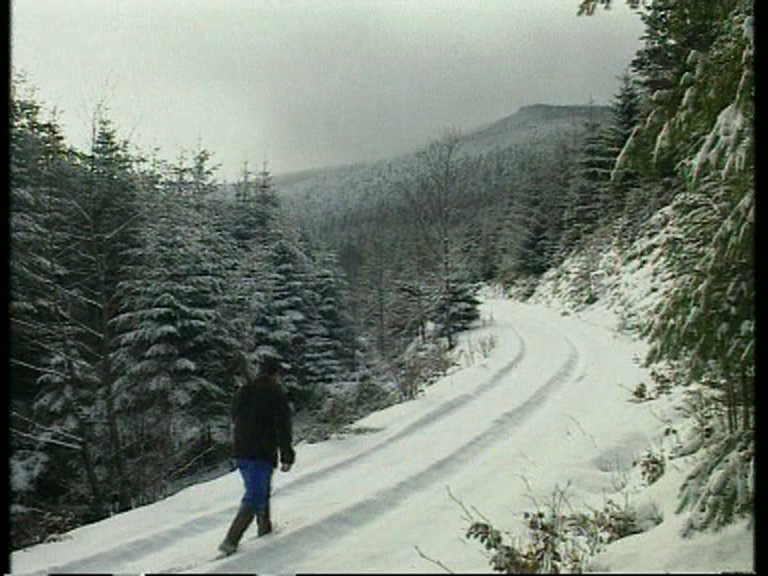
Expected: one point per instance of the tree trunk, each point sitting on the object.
(746, 400)
(108, 387)
(117, 451)
(447, 286)
(90, 473)
(730, 401)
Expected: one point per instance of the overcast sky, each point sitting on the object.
(305, 83)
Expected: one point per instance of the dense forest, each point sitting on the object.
(139, 300)
(143, 291)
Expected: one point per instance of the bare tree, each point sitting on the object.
(432, 196)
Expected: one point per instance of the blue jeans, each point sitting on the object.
(257, 476)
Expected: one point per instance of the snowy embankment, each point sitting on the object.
(549, 407)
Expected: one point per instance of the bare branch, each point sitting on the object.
(38, 425)
(36, 368)
(45, 440)
(433, 561)
(469, 517)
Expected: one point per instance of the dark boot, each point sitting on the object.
(263, 521)
(239, 525)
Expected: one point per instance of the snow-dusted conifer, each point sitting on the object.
(588, 194)
(173, 340)
(707, 322)
(330, 346)
(51, 376)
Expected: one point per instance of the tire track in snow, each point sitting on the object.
(271, 557)
(112, 559)
(136, 549)
(434, 415)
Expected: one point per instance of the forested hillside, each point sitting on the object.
(143, 291)
(503, 203)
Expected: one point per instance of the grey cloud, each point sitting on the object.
(309, 83)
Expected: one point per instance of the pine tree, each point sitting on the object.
(709, 317)
(524, 227)
(36, 153)
(112, 215)
(257, 206)
(624, 196)
(330, 339)
(47, 330)
(175, 357)
(630, 201)
(588, 195)
(461, 305)
(202, 177)
(90, 214)
(289, 296)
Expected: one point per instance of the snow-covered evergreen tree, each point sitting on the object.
(54, 413)
(175, 357)
(461, 306)
(588, 195)
(289, 304)
(710, 317)
(331, 349)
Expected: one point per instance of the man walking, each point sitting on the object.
(262, 429)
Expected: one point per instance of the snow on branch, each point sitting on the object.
(38, 425)
(731, 137)
(45, 440)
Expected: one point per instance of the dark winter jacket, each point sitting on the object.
(262, 423)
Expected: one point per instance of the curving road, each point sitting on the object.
(357, 499)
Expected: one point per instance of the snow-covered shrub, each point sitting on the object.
(520, 287)
(423, 363)
(342, 404)
(640, 393)
(600, 527)
(483, 348)
(486, 345)
(337, 410)
(652, 466)
(662, 382)
(372, 395)
(557, 541)
(721, 487)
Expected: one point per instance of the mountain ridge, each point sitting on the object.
(323, 198)
(530, 122)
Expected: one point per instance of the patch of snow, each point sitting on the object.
(662, 140)
(26, 467)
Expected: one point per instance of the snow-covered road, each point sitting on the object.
(547, 408)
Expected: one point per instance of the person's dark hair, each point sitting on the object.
(244, 371)
(269, 366)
